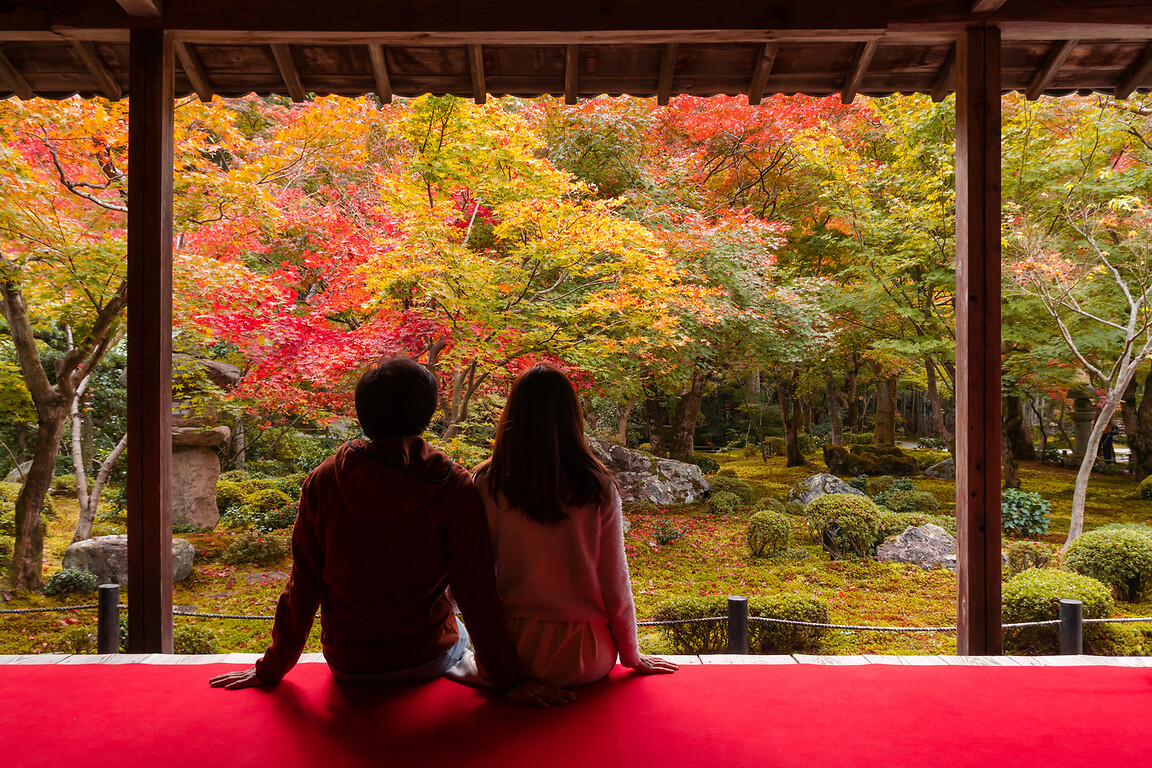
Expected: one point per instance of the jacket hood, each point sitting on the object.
(391, 476)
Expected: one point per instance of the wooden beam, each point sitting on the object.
(149, 367)
(287, 65)
(12, 80)
(571, 73)
(153, 9)
(88, 54)
(762, 71)
(986, 6)
(667, 70)
(1136, 75)
(945, 80)
(194, 71)
(859, 69)
(978, 358)
(476, 63)
(1047, 73)
(380, 72)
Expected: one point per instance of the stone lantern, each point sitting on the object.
(1083, 417)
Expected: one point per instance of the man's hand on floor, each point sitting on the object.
(234, 681)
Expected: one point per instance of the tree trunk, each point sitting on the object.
(687, 413)
(88, 507)
(1042, 419)
(836, 428)
(1138, 427)
(1016, 432)
(654, 417)
(885, 429)
(790, 415)
(241, 454)
(1010, 474)
(622, 423)
(24, 571)
(851, 407)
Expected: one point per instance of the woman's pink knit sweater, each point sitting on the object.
(575, 571)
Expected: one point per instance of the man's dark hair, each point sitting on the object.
(395, 397)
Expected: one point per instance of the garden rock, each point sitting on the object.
(195, 470)
(928, 546)
(943, 470)
(644, 478)
(18, 474)
(107, 557)
(820, 485)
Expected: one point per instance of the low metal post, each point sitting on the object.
(108, 619)
(1071, 628)
(737, 625)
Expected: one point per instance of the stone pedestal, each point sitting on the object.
(195, 470)
(107, 557)
(1083, 416)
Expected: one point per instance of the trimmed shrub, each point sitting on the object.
(229, 494)
(867, 460)
(723, 503)
(845, 525)
(1035, 594)
(763, 637)
(1023, 513)
(256, 548)
(858, 438)
(1119, 558)
(734, 485)
(781, 506)
(63, 485)
(707, 464)
(911, 501)
(932, 443)
(775, 446)
(1145, 489)
(1023, 555)
(263, 510)
(769, 534)
(235, 476)
(193, 638)
(78, 639)
(665, 532)
(860, 483)
(70, 581)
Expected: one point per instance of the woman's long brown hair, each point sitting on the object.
(540, 461)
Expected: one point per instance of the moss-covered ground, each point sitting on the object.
(710, 558)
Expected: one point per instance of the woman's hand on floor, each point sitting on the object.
(654, 665)
(537, 694)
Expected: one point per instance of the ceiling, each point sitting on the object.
(660, 48)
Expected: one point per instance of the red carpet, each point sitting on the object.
(90, 716)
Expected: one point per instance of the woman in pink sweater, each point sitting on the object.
(557, 533)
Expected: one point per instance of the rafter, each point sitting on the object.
(986, 6)
(571, 73)
(92, 59)
(476, 63)
(762, 71)
(1047, 73)
(194, 70)
(667, 69)
(12, 80)
(1136, 75)
(859, 69)
(946, 78)
(152, 9)
(288, 72)
(380, 72)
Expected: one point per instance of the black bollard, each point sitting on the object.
(737, 625)
(108, 619)
(1071, 628)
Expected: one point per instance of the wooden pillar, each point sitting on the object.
(978, 342)
(149, 368)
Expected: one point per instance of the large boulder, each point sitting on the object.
(821, 485)
(649, 479)
(853, 460)
(928, 546)
(195, 470)
(20, 472)
(107, 557)
(943, 470)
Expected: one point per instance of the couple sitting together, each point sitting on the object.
(532, 549)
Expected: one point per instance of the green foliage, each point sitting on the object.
(860, 483)
(782, 506)
(911, 501)
(769, 534)
(707, 464)
(69, 581)
(256, 518)
(80, 638)
(1119, 558)
(845, 525)
(5, 551)
(1035, 595)
(193, 639)
(774, 446)
(867, 460)
(932, 443)
(1145, 488)
(666, 532)
(256, 548)
(723, 502)
(235, 476)
(64, 485)
(763, 637)
(1023, 555)
(741, 489)
(1023, 513)
(253, 507)
(858, 438)
(229, 494)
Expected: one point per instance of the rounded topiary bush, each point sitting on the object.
(769, 534)
(1120, 558)
(256, 548)
(1023, 555)
(1035, 595)
(707, 464)
(734, 485)
(845, 525)
(1145, 489)
(63, 485)
(1023, 514)
(229, 494)
(723, 503)
(770, 637)
(193, 638)
(70, 581)
(911, 501)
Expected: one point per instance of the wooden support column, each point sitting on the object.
(150, 114)
(978, 342)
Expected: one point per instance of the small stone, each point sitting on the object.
(927, 546)
(943, 470)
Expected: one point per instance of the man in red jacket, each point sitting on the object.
(384, 527)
